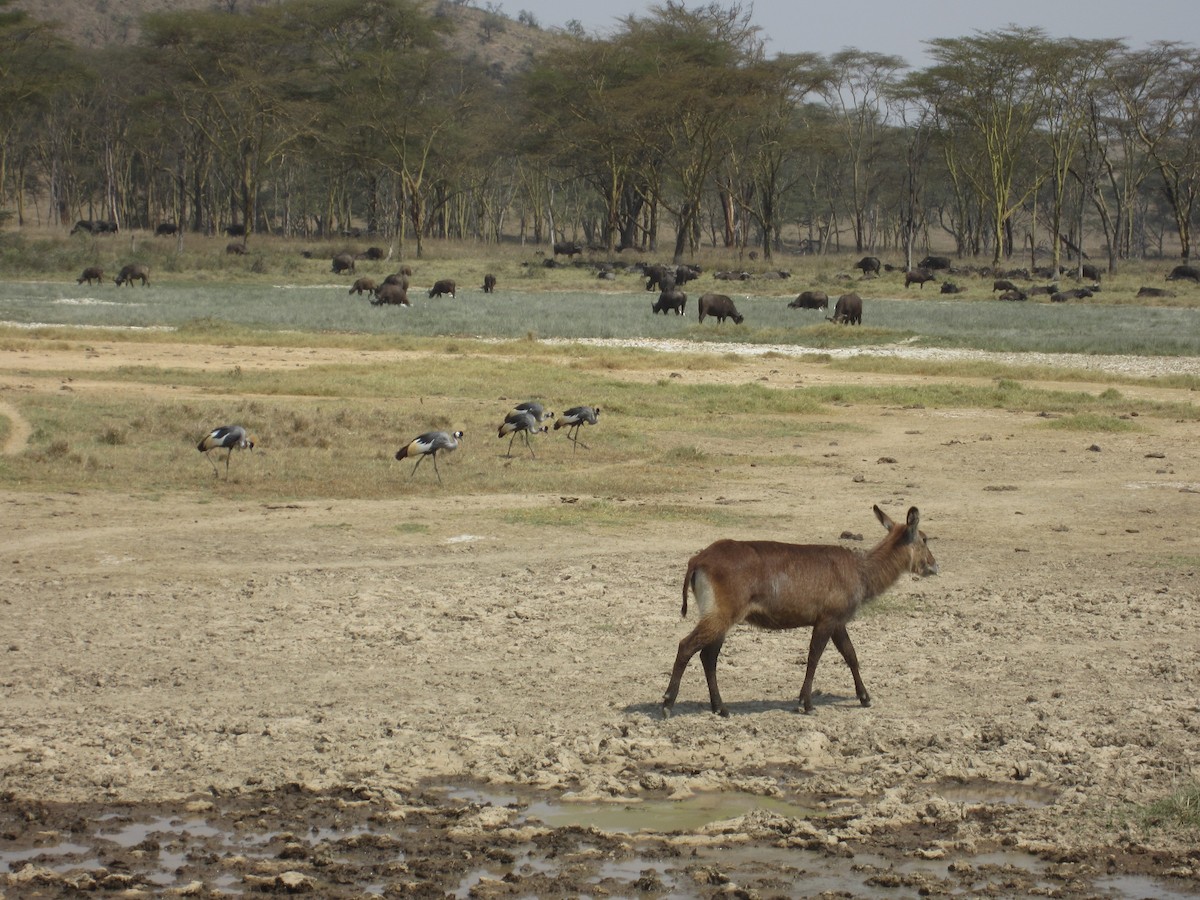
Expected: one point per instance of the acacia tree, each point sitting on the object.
(37, 70)
(703, 84)
(236, 80)
(585, 114)
(1159, 90)
(769, 147)
(1070, 71)
(857, 92)
(987, 88)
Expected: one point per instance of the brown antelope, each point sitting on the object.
(779, 586)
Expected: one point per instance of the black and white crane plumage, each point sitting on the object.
(429, 444)
(573, 419)
(537, 410)
(523, 423)
(228, 438)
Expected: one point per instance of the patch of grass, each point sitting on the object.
(412, 528)
(1093, 422)
(615, 514)
(1179, 809)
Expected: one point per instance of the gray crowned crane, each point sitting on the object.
(535, 409)
(523, 423)
(228, 438)
(428, 444)
(573, 419)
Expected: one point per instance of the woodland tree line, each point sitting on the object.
(326, 117)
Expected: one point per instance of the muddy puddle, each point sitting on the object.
(472, 841)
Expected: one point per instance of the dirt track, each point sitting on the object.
(179, 650)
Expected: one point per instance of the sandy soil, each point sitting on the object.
(204, 695)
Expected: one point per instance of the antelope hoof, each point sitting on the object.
(864, 700)
(723, 713)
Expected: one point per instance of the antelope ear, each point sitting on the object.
(883, 519)
(914, 519)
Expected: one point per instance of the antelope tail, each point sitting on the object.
(687, 583)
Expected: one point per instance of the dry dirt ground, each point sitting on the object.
(203, 696)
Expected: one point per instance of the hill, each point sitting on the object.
(500, 44)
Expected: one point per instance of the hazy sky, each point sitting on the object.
(900, 27)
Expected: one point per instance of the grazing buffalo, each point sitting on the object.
(1184, 273)
(236, 248)
(720, 307)
(131, 273)
(810, 300)
(166, 229)
(869, 264)
(934, 262)
(235, 230)
(1039, 289)
(568, 248)
(363, 284)
(343, 262)
(847, 310)
(1003, 284)
(445, 286)
(673, 300)
(684, 274)
(399, 278)
(90, 273)
(949, 287)
(391, 295)
(918, 276)
(489, 283)
(372, 253)
(1015, 294)
(1076, 294)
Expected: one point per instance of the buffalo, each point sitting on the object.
(869, 264)
(445, 286)
(235, 230)
(363, 284)
(489, 283)
(720, 307)
(934, 262)
(1076, 294)
(236, 248)
(918, 277)
(131, 273)
(399, 278)
(90, 273)
(166, 229)
(659, 278)
(1088, 271)
(1003, 284)
(372, 253)
(391, 295)
(847, 310)
(673, 300)
(1184, 273)
(1144, 292)
(949, 287)
(343, 262)
(97, 226)
(567, 248)
(810, 300)
(1015, 294)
